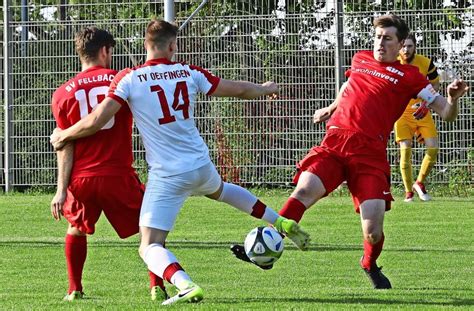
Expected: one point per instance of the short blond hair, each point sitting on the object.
(160, 33)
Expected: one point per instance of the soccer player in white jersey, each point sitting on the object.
(161, 95)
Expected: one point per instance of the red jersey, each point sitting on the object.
(109, 151)
(376, 95)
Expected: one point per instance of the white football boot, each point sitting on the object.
(421, 191)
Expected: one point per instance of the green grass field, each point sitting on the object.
(428, 257)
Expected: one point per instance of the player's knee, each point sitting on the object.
(405, 144)
(373, 237)
(432, 142)
(309, 189)
(74, 231)
(306, 195)
(302, 192)
(219, 193)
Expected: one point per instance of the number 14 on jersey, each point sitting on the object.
(180, 90)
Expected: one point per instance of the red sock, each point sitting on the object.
(293, 209)
(155, 280)
(258, 209)
(371, 253)
(76, 253)
(170, 270)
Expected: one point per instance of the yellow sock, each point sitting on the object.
(405, 168)
(428, 162)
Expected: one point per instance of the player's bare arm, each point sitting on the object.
(244, 89)
(323, 114)
(65, 159)
(448, 108)
(88, 125)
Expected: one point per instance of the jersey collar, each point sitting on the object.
(93, 68)
(158, 61)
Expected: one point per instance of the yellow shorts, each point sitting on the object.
(407, 126)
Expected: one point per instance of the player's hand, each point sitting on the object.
(55, 139)
(57, 204)
(457, 88)
(321, 115)
(422, 111)
(271, 89)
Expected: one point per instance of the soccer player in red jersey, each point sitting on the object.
(354, 147)
(95, 174)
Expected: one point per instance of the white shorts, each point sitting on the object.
(164, 196)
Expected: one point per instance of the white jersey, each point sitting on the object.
(162, 95)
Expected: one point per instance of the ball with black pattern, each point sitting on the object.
(264, 246)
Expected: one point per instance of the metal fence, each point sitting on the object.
(303, 45)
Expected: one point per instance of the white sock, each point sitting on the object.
(270, 216)
(178, 278)
(157, 258)
(244, 200)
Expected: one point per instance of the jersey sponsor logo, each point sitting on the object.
(385, 192)
(377, 74)
(395, 70)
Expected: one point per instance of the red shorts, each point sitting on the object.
(353, 157)
(120, 197)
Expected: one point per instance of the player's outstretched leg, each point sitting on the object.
(189, 292)
(375, 275)
(293, 231)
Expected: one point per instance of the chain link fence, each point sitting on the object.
(304, 46)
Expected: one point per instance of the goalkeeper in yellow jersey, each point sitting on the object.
(421, 125)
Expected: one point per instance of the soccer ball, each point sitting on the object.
(263, 246)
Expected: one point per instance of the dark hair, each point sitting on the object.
(411, 36)
(160, 32)
(390, 20)
(90, 40)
